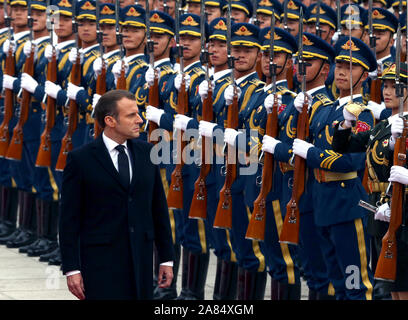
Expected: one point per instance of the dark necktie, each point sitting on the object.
(123, 164)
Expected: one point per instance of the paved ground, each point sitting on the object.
(25, 278)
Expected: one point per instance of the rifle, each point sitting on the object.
(317, 25)
(154, 89)
(66, 143)
(338, 15)
(15, 149)
(101, 79)
(44, 152)
(290, 228)
(256, 226)
(121, 82)
(375, 89)
(387, 262)
(289, 72)
(198, 208)
(223, 216)
(8, 93)
(256, 22)
(175, 194)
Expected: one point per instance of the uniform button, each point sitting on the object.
(320, 135)
(342, 185)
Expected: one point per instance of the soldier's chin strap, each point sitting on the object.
(283, 66)
(141, 42)
(385, 48)
(318, 72)
(354, 84)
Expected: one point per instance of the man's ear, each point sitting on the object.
(110, 121)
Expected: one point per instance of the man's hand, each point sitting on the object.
(76, 285)
(165, 276)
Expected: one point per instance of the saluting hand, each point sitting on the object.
(76, 286)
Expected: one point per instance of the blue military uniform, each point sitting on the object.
(338, 189)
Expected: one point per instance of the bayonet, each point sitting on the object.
(204, 52)
(399, 87)
(285, 15)
(318, 30)
(99, 33)
(338, 13)
(272, 64)
(119, 39)
(165, 6)
(255, 20)
(372, 37)
(302, 64)
(150, 43)
(350, 55)
(29, 20)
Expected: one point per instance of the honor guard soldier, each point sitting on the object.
(241, 10)
(44, 182)
(378, 145)
(23, 179)
(292, 13)
(355, 17)
(384, 26)
(264, 11)
(327, 22)
(64, 31)
(396, 7)
(225, 286)
(193, 6)
(319, 55)
(107, 24)
(213, 9)
(385, 4)
(339, 177)
(86, 18)
(8, 192)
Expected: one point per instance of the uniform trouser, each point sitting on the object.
(312, 256)
(345, 248)
(280, 257)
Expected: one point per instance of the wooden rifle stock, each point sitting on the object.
(256, 226)
(289, 78)
(175, 194)
(387, 262)
(15, 149)
(223, 216)
(121, 83)
(66, 143)
(198, 208)
(290, 227)
(153, 101)
(8, 106)
(100, 89)
(44, 152)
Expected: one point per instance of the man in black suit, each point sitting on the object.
(112, 208)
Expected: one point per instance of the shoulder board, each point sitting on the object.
(93, 52)
(283, 90)
(325, 100)
(226, 79)
(166, 69)
(258, 90)
(198, 71)
(257, 82)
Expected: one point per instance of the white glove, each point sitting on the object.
(177, 81)
(269, 144)
(336, 36)
(373, 74)
(73, 90)
(6, 46)
(117, 67)
(203, 89)
(383, 213)
(300, 99)
(348, 117)
(97, 66)
(149, 75)
(27, 49)
(52, 89)
(399, 174)
(73, 55)
(206, 128)
(269, 101)
(397, 126)
(48, 52)
(181, 121)
(376, 108)
(95, 100)
(230, 136)
(154, 114)
(229, 94)
(28, 82)
(301, 147)
(8, 81)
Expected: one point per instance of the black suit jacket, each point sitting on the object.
(107, 229)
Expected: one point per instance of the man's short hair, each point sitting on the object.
(107, 104)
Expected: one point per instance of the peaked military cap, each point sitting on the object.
(360, 53)
(86, 9)
(327, 15)
(107, 13)
(218, 29)
(64, 7)
(354, 14)
(133, 15)
(315, 47)
(384, 20)
(190, 25)
(283, 40)
(403, 21)
(38, 5)
(390, 73)
(161, 22)
(243, 5)
(213, 3)
(294, 10)
(269, 6)
(18, 3)
(245, 34)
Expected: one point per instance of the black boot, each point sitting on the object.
(56, 259)
(47, 241)
(289, 291)
(228, 281)
(27, 235)
(184, 272)
(274, 289)
(255, 283)
(241, 284)
(197, 275)
(47, 256)
(216, 293)
(39, 231)
(8, 210)
(16, 233)
(312, 295)
(170, 293)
